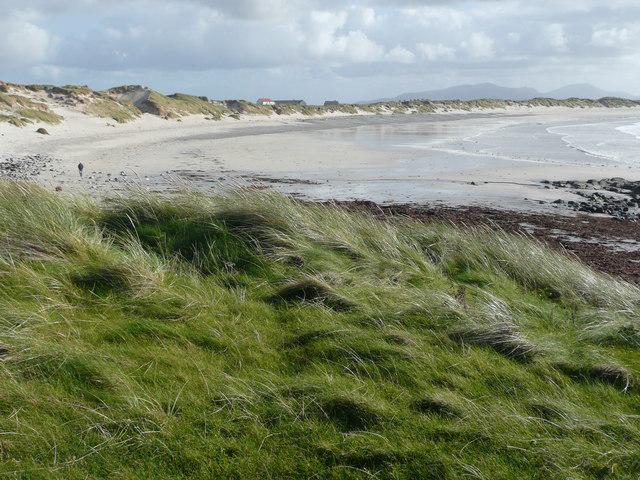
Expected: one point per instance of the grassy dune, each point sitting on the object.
(20, 111)
(107, 107)
(127, 103)
(179, 104)
(255, 337)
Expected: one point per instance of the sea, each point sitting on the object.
(612, 140)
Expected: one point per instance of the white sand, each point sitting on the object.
(347, 157)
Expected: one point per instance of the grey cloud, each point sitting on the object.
(394, 44)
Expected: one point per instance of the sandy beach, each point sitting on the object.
(490, 158)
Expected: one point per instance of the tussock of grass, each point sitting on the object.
(102, 279)
(350, 413)
(314, 291)
(435, 405)
(494, 327)
(502, 337)
(612, 328)
(254, 336)
(613, 374)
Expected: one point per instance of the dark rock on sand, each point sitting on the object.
(616, 196)
(22, 168)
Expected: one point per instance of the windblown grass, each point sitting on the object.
(179, 104)
(251, 336)
(13, 120)
(106, 107)
(19, 111)
(39, 116)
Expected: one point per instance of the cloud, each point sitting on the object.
(435, 52)
(327, 41)
(400, 55)
(368, 16)
(479, 46)
(23, 42)
(556, 38)
(46, 71)
(229, 44)
(619, 37)
(442, 17)
(251, 9)
(355, 46)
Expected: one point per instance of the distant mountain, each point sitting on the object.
(497, 92)
(585, 90)
(473, 92)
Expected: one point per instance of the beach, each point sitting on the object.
(496, 159)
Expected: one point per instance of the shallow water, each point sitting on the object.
(615, 140)
(437, 161)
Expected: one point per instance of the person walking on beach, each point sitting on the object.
(80, 168)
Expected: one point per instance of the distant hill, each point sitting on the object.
(585, 90)
(473, 92)
(497, 92)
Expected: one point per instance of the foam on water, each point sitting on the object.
(631, 130)
(605, 140)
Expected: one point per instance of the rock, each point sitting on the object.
(598, 199)
(58, 188)
(42, 131)
(576, 184)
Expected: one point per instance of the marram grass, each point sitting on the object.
(251, 336)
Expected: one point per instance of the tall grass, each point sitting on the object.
(252, 336)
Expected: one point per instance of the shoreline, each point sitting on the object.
(483, 159)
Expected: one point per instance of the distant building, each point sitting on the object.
(331, 103)
(266, 101)
(300, 103)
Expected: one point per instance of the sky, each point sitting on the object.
(320, 49)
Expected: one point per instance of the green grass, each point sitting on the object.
(78, 90)
(179, 104)
(251, 336)
(19, 111)
(39, 116)
(13, 120)
(106, 107)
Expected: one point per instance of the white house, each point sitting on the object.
(265, 101)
